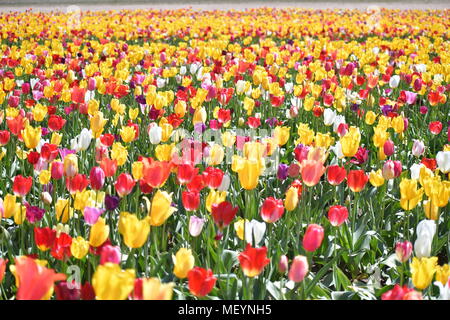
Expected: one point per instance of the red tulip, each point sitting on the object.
(67, 291)
(435, 127)
(44, 238)
(191, 200)
(337, 215)
(78, 95)
(87, 292)
(253, 260)
(186, 172)
(389, 148)
(107, 139)
(356, 180)
(223, 213)
(33, 157)
(213, 177)
(336, 175)
(56, 123)
(77, 183)
(145, 187)
(197, 183)
(22, 185)
(272, 210)
(201, 281)
(109, 167)
(124, 184)
(4, 137)
(299, 269)
(61, 247)
(49, 152)
(35, 281)
(97, 178)
(156, 172)
(429, 163)
(313, 237)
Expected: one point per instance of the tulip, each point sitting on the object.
(91, 215)
(253, 260)
(388, 170)
(431, 210)
(183, 261)
(82, 141)
(97, 123)
(443, 161)
(409, 194)
(63, 210)
(44, 238)
(336, 175)
(418, 148)
(281, 135)
(22, 185)
(283, 264)
(223, 213)
(161, 208)
(329, 115)
(124, 184)
(299, 269)
(443, 273)
(248, 173)
(376, 178)
(291, 200)
(109, 167)
(435, 127)
(97, 178)
(356, 180)
(112, 283)
(110, 254)
(272, 210)
(57, 170)
(254, 231)
(67, 291)
(212, 177)
(35, 281)
(337, 215)
(186, 172)
(127, 134)
(155, 134)
(398, 293)
(312, 171)
(196, 225)
(134, 231)
(77, 183)
(156, 172)
(201, 281)
(99, 233)
(423, 270)
(313, 237)
(61, 247)
(389, 148)
(394, 81)
(4, 137)
(79, 247)
(403, 250)
(119, 153)
(350, 142)
(31, 136)
(70, 165)
(152, 289)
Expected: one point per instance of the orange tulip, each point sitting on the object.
(155, 173)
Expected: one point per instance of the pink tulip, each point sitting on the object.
(97, 178)
(283, 265)
(313, 237)
(91, 215)
(110, 254)
(403, 250)
(299, 269)
(337, 215)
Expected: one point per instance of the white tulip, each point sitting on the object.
(183, 70)
(394, 81)
(444, 291)
(155, 134)
(329, 115)
(418, 148)
(254, 230)
(415, 170)
(443, 161)
(422, 247)
(225, 184)
(84, 139)
(426, 228)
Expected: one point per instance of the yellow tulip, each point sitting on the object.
(291, 200)
(56, 138)
(127, 134)
(10, 206)
(161, 208)
(423, 271)
(153, 289)
(184, 262)
(306, 135)
(370, 117)
(350, 142)
(31, 136)
(164, 152)
(443, 273)
(110, 282)
(281, 135)
(99, 233)
(376, 178)
(431, 210)
(239, 227)
(70, 165)
(97, 123)
(44, 177)
(63, 210)
(214, 197)
(216, 155)
(409, 194)
(79, 247)
(39, 112)
(228, 139)
(119, 153)
(134, 231)
(137, 170)
(20, 215)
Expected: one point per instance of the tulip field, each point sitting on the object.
(266, 154)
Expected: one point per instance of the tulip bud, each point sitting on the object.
(97, 178)
(403, 250)
(388, 170)
(299, 269)
(283, 265)
(418, 148)
(46, 198)
(313, 237)
(389, 148)
(196, 225)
